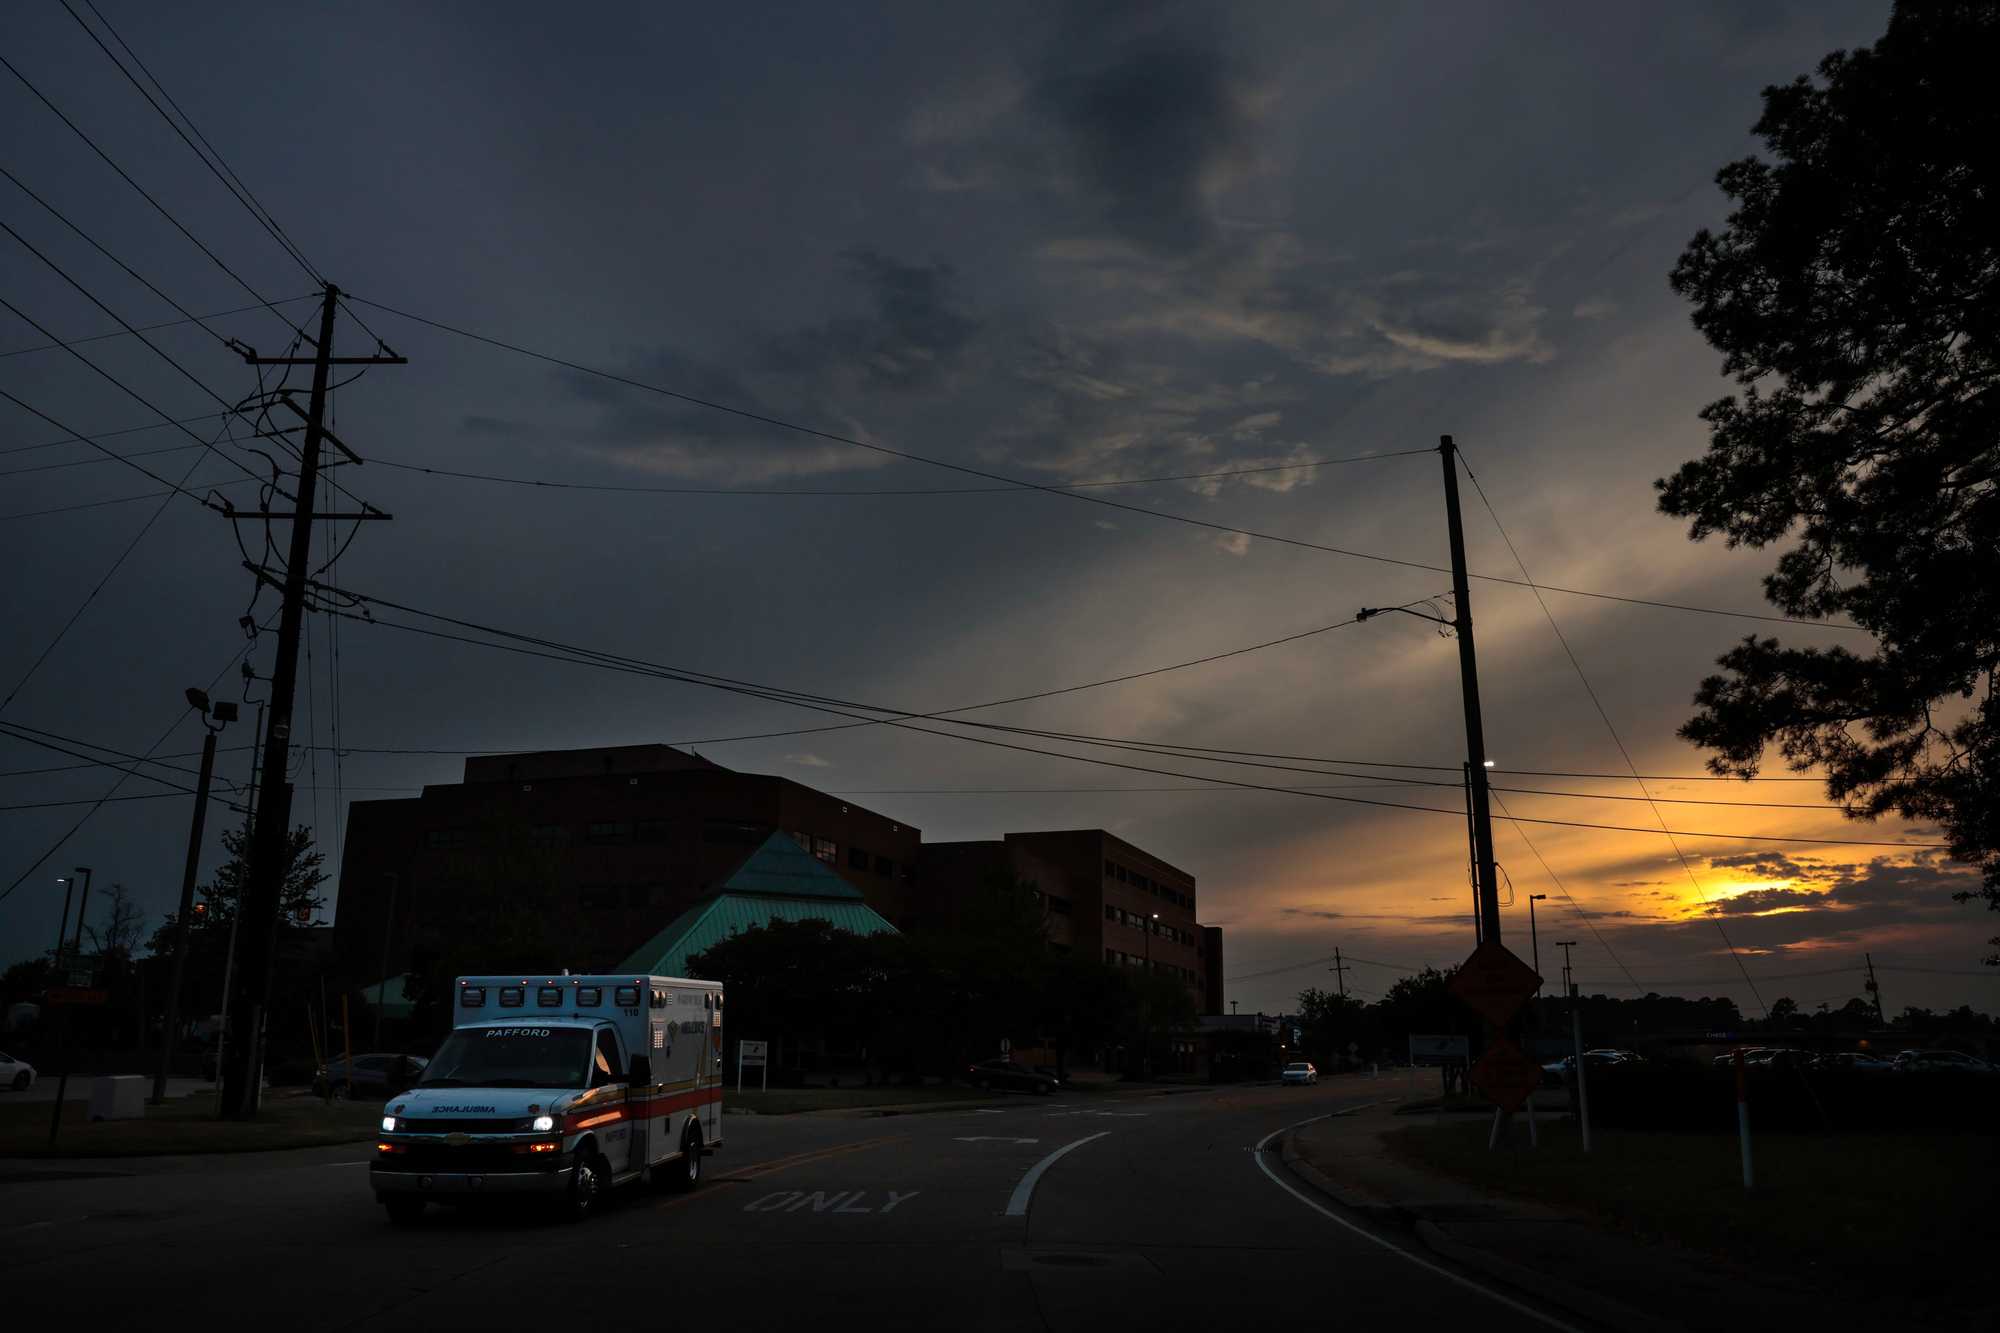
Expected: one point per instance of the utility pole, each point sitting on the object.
(1475, 732)
(1576, 1036)
(268, 863)
(1534, 939)
(1874, 991)
(1339, 970)
(223, 713)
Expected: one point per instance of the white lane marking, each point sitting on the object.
(1392, 1247)
(1024, 1193)
(990, 1138)
(987, 1110)
(327, 1166)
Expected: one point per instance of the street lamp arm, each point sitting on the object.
(1369, 612)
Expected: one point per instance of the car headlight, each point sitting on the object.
(388, 1124)
(543, 1124)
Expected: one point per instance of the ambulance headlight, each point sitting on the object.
(543, 1124)
(388, 1124)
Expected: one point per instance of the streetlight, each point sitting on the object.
(62, 924)
(215, 716)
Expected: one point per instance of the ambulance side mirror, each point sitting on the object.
(642, 1071)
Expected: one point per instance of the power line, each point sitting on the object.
(1016, 483)
(49, 740)
(95, 244)
(172, 487)
(109, 434)
(143, 328)
(96, 588)
(217, 797)
(634, 666)
(956, 490)
(1616, 739)
(230, 180)
(189, 375)
(124, 774)
(1569, 898)
(158, 207)
(120, 500)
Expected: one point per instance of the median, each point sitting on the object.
(186, 1126)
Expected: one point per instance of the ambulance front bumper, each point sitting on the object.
(467, 1184)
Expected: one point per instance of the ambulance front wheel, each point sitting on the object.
(587, 1180)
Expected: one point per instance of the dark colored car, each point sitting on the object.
(373, 1077)
(999, 1075)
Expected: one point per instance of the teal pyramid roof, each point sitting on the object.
(780, 881)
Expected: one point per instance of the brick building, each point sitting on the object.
(1100, 895)
(622, 839)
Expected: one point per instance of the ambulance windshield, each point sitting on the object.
(511, 1057)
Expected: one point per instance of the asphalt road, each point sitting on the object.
(1032, 1213)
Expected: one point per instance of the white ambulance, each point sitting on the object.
(561, 1087)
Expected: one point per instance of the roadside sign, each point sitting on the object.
(78, 995)
(81, 976)
(1494, 983)
(1439, 1049)
(1506, 1075)
(753, 1053)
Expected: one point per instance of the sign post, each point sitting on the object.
(753, 1053)
(1494, 984)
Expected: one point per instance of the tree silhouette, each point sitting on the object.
(1855, 293)
(299, 902)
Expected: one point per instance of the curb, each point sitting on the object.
(1554, 1291)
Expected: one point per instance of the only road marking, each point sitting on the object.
(839, 1201)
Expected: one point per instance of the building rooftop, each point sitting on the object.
(780, 881)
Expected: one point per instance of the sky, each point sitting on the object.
(1054, 243)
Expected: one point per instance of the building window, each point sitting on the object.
(826, 851)
(857, 859)
(1118, 873)
(650, 831)
(884, 866)
(1113, 914)
(1110, 870)
(608, 833)
(1060, 906)
(445, 838)
(548, 835)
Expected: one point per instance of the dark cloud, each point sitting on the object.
(1312, 912)
(1150, 119)
(913, 338)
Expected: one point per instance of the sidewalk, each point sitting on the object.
(1563, 1258)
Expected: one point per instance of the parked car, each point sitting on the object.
(998, 1075)
(373, 1076)
(1859, 1062)
(1928, 1061)
(1301, 1072)
(1557, 1071)
(17, 1075)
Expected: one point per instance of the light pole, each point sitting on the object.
(62, 923)
(214, 717)
(1533, 940)
(62, 1082)
(1146, 1059)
